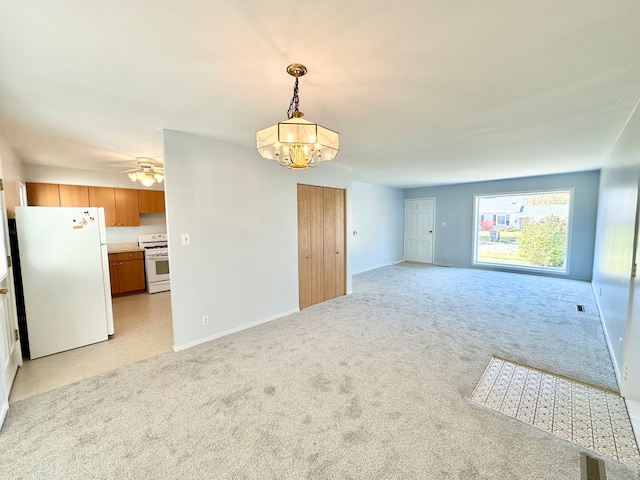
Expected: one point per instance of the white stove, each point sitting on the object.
(156, 261)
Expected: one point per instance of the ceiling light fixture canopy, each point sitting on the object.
(296, 142)
(147, 172)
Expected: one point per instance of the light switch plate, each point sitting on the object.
(185, 239)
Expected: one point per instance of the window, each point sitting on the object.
(523, 230)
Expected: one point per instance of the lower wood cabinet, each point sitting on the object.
(126, 270)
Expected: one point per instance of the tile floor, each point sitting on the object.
(142, 329)
(589, 416)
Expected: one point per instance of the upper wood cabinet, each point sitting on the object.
(74, 196)
(104, 197)
(43, 195)
(120, 205)
(127, 206)
(150, 201)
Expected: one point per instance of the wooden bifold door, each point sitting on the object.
(321, 244)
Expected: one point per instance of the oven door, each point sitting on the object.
(157, 267)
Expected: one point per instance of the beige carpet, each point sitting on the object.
(375, 385)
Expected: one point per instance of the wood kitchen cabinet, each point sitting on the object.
(74, 195)
(150, 201)
(126, 270)
(120, 205)
(43, 195)
(113, 273)
(127, 207)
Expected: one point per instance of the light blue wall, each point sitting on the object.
(614, 252)
(453, 244)
(377, 214)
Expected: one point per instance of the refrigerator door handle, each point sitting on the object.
(101, 225)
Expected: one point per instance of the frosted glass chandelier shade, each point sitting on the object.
(297, 143)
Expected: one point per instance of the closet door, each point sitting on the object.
(340, 242)
(309, 245)
(321, 244)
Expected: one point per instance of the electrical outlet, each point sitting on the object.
(205, 320)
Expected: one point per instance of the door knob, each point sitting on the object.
(3, 291)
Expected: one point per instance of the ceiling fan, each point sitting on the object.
(147, 171)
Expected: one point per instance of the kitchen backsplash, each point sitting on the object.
(149, 223)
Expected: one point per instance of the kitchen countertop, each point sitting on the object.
(124, 247)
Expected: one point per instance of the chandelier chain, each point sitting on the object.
(293, 106)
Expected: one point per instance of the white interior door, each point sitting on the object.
(419, 218)
(10, 353)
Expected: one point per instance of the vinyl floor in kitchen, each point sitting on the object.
(142, 330)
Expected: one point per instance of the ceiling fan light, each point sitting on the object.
(148, 172)
(148, 181)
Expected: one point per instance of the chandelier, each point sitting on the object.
(296, 142)
(147, 173)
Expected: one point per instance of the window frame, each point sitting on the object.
(563, 271)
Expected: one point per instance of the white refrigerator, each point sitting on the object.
(65, 276)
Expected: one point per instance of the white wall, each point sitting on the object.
(149, 223)
(616, 237)
(74, 176)
(378, 219)
(241, 212)
(12, 170)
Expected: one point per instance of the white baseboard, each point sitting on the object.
(177, 348)
(616, 367)
(3, 411)
(379, 266)
(633, 407)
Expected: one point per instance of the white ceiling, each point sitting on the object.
(423, 92)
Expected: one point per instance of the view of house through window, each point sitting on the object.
(523, 230)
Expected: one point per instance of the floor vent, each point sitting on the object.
(591, 468)
(580, 308)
